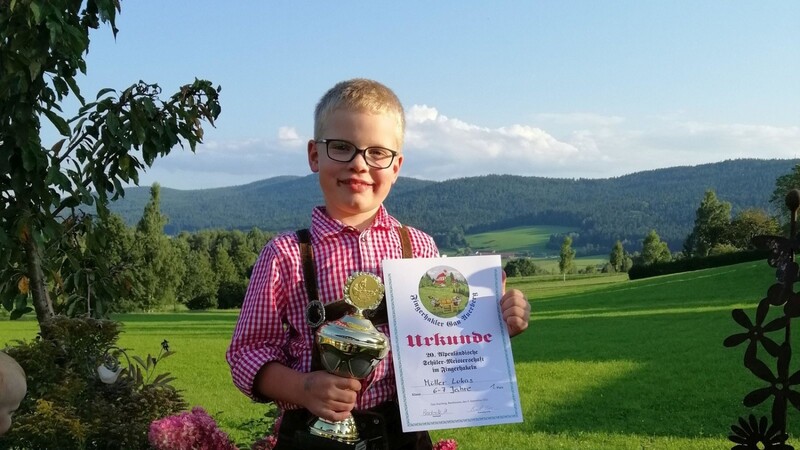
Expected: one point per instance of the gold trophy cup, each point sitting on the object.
(351, 347)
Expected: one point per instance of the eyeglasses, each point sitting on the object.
(343, 151)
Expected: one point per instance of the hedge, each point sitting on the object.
(690, 264)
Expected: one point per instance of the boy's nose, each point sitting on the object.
(359, 162)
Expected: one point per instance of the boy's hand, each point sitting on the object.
(328, 396)
(516, 309)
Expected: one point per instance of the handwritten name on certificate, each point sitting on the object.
(450, 345)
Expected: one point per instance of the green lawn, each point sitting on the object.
(606, 364)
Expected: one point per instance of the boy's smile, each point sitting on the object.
(353, 190)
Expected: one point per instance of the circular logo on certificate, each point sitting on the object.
(443, 291)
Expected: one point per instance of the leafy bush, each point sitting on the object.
(69, 407)
(522, 267)
(204, 301)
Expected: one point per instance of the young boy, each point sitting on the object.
(357, 152)
(12, 390)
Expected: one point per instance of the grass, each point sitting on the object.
(606, 364)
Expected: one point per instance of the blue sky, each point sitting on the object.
(561, 89)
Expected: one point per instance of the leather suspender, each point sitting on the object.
(316, 313)
(405, 242)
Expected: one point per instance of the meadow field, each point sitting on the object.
(606, 364)
(530, 239)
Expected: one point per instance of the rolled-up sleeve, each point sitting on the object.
(259, 336)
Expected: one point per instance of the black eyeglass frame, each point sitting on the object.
(362, 151)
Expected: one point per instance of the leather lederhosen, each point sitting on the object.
(380, 426)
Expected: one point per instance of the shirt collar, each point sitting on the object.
(324, 225)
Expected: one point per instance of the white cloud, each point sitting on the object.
(439, 147)
(288, 135)
(581, 145)
(218, 163)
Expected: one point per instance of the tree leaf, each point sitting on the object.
(138, 360)
(37, 12)
(60, 124)
(75, 89)
(29, 159)
(17, 313)
(56, 148)
(103, 92)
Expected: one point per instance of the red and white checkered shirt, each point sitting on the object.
(272, 325)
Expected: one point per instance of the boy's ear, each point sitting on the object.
(313, 156)
(398, 161)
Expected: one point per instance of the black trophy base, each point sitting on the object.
(308, 441)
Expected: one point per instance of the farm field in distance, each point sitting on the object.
(531, 240)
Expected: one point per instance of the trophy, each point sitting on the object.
(351, 347)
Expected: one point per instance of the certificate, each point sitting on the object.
(450, 345)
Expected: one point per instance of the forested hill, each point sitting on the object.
(603, 210)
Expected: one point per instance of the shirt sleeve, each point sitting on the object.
(259, 336)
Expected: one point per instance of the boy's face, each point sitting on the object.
(354, 191)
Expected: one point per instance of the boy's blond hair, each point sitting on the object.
(361, 95)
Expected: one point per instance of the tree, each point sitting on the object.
(567, 257)
(160, 268)
(749, 223)
(627, 264)
(240, 253)
(783, 185)
(107, 143)
(230, 288)
(711, 221)
(199, 287)
(654, 250)
(617, 256)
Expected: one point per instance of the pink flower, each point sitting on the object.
(446, 444)
(267, 443)
(194, 430)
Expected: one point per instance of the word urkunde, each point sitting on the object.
(438, 340)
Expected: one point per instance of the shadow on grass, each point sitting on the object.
(183, 316)
(745, 283)
(653, 375)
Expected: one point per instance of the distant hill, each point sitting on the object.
(625, 207)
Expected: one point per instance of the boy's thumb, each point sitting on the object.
(504, 281)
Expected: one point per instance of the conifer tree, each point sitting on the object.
(160, 270)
